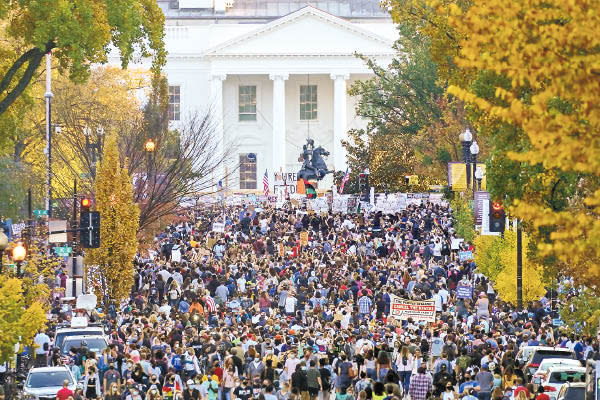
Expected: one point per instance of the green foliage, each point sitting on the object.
(402, 97)
(18, 318)
(463, 218)
(584, 312)
(79, 33)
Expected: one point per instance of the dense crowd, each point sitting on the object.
(259, 312)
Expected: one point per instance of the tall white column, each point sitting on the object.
(339, 120)
(278, 139)
(216, 97)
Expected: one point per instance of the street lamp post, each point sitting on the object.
(465, 139)
(18, 255)
(479, 176)
(474, 149)
(3, 246)
(149, 146)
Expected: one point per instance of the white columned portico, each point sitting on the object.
(278, 139)
(216, 97)
(339, 120)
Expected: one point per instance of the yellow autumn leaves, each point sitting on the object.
(119, 222)
(550, 52)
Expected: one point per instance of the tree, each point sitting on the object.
(79, 33)
(119, 223)
(583, 312)
(547, 54)
(463, 218)
(107, 103)
(412, 127)
(496, 257)
(430, 18)
(18, 318)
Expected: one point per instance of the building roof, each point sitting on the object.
(271, 9)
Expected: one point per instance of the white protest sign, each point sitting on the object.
(218, 227)
(417, 310)
(340, 204)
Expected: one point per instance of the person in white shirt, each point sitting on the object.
(42, 341)
(290, 304)
(437, 299)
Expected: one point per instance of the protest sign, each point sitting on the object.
(340, 204)
(304, 238)
(218, 227)
(465, 255)
(464, 292)
(455, 243)
(417, 310)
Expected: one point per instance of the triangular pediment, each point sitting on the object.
(308, 31)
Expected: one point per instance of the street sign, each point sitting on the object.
(57, 226)
(63, 251)
(39, 213)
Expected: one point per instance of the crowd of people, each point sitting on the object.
(288, 304)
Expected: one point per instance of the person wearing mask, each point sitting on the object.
(299, 382)
(91, 384)
(449, 393)
(111, 376)
(112, 393)
(190, 392)
(313, 380)
(243, 391)
(485, 381)
(421, 385)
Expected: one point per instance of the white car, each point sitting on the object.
(554, 362)
(44, 383)
(95, 343)
(555, 377)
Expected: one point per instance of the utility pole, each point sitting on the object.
(519, 266)
(48, 95)
(74, 253)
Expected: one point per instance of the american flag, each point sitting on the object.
(266, 183)
(211, 306)
(344, 180)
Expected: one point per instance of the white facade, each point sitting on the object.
(211, 63)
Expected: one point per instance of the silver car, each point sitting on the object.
(44, 383)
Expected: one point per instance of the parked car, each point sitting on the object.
(554, 362)
(572, 391)
(524, 353)
(540, 354)
(44, 383)
(557, 376)
(95, 343)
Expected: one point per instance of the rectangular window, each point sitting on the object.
(247, 172)
(308, 102)
(247, 100)
(174, 102)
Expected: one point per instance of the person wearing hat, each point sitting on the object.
(191, 393)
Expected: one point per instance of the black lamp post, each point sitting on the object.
(3, 246)
(18, 255)
(474, 149)
(479, 176)
(465, 139)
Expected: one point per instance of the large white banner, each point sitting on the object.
(417, 310)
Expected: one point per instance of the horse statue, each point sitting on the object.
(313, 165)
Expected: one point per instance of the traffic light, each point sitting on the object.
(89, 236)
(85, 204)
(362, 179)
(497, 216)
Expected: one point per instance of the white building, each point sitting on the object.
(273, 73)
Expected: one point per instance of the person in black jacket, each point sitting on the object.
(299, 380)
